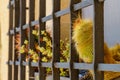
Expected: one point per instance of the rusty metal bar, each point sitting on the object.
(56, 40)
(42, 13)
(16, 24)
(31, 36)
(98, 39)
(23, 37)
(73, 55)
(76, 7)
(10, 55)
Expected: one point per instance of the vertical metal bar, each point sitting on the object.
(31, 36)
(17, 13)
(56, 40)
(98, 38)
(10, 53)
(42, 13)
(23, 37)
(73, 55)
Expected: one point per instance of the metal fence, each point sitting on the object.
(17, 18)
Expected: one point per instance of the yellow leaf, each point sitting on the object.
(42, 32)
(45, 39)
(31, 51)
(35, 32)
(38, 48)
(22, 49)
(42, 49)
(35, 56)
(44, 59)
(26, 42)
(34, 61)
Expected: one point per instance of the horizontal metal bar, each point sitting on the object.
(62, 12)
(46, 65)
(25, 63)
(25, 26)
(62, 65)
(83, 4)
(44, 19)
(33, 23)
(17, 29)
(34, 64)
(17, 62)
(12, 31)
(59, 13)
(10, 62)
(83, 66)
(109, 67)
(11, 3)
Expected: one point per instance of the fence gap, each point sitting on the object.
(10, 53)
(42, 13)
(31, 36)
(56, 40)
(98, 32)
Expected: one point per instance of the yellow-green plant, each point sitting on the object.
(46, 51)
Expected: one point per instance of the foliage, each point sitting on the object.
(45, 51)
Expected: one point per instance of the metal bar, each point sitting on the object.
(82, 4)
(56, 40)
(33, 23)
(12, 31)
(62, 65)
(98, 38)
(73, 55)
(62, 12)
(16, 19)
(17, 29)
(17, 63)
(42, 13)
(46, 65)
(33, 64)
(77, 6)
(22, 37)
(31, 36)
(44, 19)
(10, 51)
(83, 66)
(109, 67)
(25, 26)
(11, 62)
(12, 2)
(25, 63)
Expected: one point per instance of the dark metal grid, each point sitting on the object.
(72, 65)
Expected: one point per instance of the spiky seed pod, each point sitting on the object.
(83, 38)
